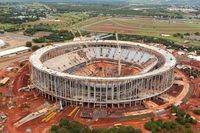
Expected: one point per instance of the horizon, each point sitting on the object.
(152, 2)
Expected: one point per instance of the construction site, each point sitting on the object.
(26, 107)
(59, 82)
(21, 106)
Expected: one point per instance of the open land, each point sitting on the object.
(26, 102)
(147, 26)
(14, 40)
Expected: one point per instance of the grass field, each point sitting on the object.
(147, 26)
(59, 21)
(6, 26)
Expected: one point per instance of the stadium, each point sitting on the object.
(103, 73)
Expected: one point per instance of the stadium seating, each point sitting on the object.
(66, 61)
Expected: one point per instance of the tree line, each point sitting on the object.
(191, 72)
(150, 39)
(66, 126)
(182, 123)
(58, 36)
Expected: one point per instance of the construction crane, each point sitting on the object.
(119, 52)
(103, 36)
(87, 47)
(79, 32)
(81, 37)
(107, 36)
(72, 33)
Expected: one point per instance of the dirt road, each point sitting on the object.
(6, 62)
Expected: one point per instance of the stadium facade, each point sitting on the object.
(54, 73)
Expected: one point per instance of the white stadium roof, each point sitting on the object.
(13, 51)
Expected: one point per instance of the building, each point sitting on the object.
(2, 43)
(101, 73)
(14, 51)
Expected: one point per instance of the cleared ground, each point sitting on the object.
(23, 103)
(14, 40)
(9, 61)
(105, 69)
(147, 26)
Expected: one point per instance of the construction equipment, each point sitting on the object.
(50, 115)
(73, 111)
(73, 33)
(101, 37)
(42, 110)
(81, 38)
(119, 50)
(79, 32)
(30, 117)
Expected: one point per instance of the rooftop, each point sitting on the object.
(13, 51)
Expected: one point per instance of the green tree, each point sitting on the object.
(197, 112)
(21, 64)
(63, 130)
(54, 128)
(123, 129)
(29, 44)
(35, 47)
(197, 33)
(64, 122)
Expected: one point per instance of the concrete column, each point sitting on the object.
(55, 87)
(112, 91)
(95, 94)
(70, 88)
(106, 92)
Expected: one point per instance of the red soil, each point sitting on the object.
(105, 69)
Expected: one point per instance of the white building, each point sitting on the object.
(2, 43)
(14, 51)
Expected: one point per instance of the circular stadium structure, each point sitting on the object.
(102, 73)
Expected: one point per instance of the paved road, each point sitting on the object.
(6, 62)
